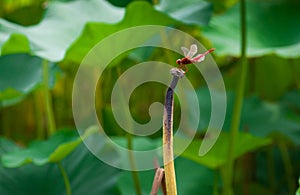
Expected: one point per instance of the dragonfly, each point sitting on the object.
(189, 56)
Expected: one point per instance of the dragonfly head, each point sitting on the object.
(179, 62)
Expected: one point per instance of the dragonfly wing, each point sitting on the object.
(185, 51)
(193, 51)
(201, 57)
(198, 58)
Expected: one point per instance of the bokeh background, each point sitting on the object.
(42, 43)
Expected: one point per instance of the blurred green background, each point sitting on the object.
(43, 42)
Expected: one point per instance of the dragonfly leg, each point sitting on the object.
(183, 66)
(186, 68)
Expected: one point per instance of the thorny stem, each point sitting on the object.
(237, 104)
(170, 177)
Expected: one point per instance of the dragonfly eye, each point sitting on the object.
(178, 61)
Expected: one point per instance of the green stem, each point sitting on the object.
(1, 9)
(38, 115)
(66, 178)
(165, 42)
(271, 169)
(2, 131)
(48, 100)
(296, 72)
(288, 166)
(237, 104)
(134, 173)
(216, 182)
(155, 2)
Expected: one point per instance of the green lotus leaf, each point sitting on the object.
(94, 32)
(217, 155)
(271, 29)
(199, 179)
(196, 12)
(20, 74)
(86, 173)
(55, 149)
(260, 118)
(61, 25)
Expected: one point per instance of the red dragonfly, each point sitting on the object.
(188, 56)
